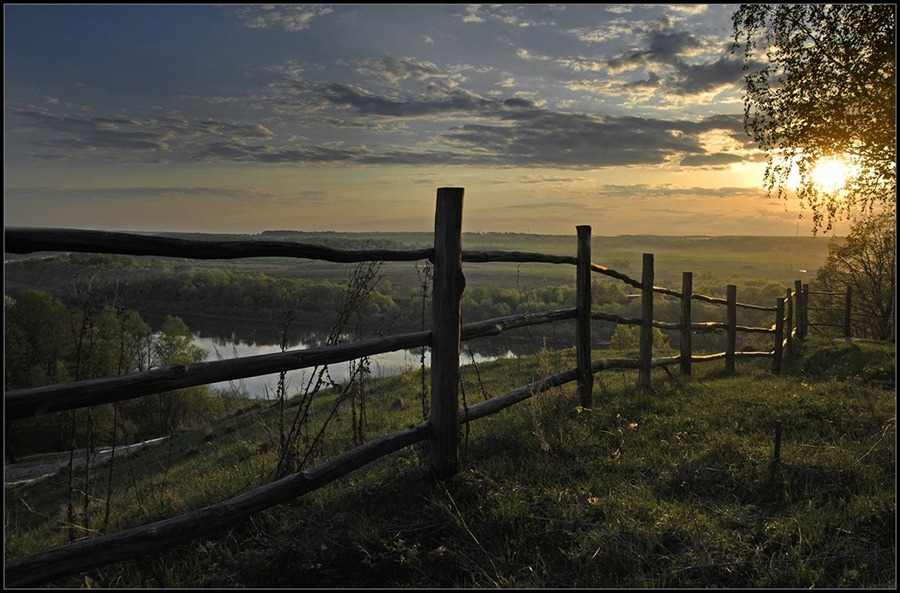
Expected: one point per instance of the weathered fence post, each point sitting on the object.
(687, 288)
(445, 332)
(789, 323)
(779, 336)
(798, 308)
(646, 352)
(583, 317)
(730, 327)
(805, 308)
(847, 304)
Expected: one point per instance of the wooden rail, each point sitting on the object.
(441, 429)
(845, 309)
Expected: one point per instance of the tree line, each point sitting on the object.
(176, 286)
(47, 342)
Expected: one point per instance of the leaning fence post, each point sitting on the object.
(788, 324)
(583, 317)
(730, 327)
(847, 304)
(687, 288)
(779, 336)
(646, 351)
(445, 332)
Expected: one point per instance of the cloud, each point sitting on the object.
(236, 152)
(471, 15)
(701, 78)
(495, 132)
(710, 160)
(295, 17)
(613, 29)
(689, 9)
(511, 15)
(396, 69)
(140, 193)
(580, 141)
(120, 138)
(671, 59)
(82, 132)
(435, 101)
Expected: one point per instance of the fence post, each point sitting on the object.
(779, 336)
(687, 288)
(583, 317)
(798, 308)
(789, 322)
(646, 352)
(805, 308)
(445, 332)
(847, 305)
(730, 327)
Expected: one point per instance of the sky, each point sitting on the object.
(245, 118)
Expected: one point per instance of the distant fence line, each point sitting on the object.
(441, 429)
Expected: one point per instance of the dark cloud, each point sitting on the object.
(545, 138)
(666, 44)
(512, 134)
(700, 78)
(670, 58)
(365, 103)
(120, 137)
(77, 131)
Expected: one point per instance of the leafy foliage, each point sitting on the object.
(822, 83)
(47, 343)
(865, 263)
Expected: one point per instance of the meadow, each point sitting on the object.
(673, 487)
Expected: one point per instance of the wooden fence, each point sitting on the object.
(441, 429)
(828, 305)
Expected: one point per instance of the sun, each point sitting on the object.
(830, 174)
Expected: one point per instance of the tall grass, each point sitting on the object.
(671, 488)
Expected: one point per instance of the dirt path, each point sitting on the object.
(48, 465)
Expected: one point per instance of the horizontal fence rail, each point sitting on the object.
(26, 240)
(441, 429)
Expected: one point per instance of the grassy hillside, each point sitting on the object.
(674, 488)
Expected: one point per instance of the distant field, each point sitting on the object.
(737, 258)
(732, 259)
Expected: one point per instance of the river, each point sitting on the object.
(381, 365)
(244, 340)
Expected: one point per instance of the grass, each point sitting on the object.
(671, 488)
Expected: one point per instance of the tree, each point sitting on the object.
(864, 262)
(34, 344)
(821, 84)
(164, 413)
